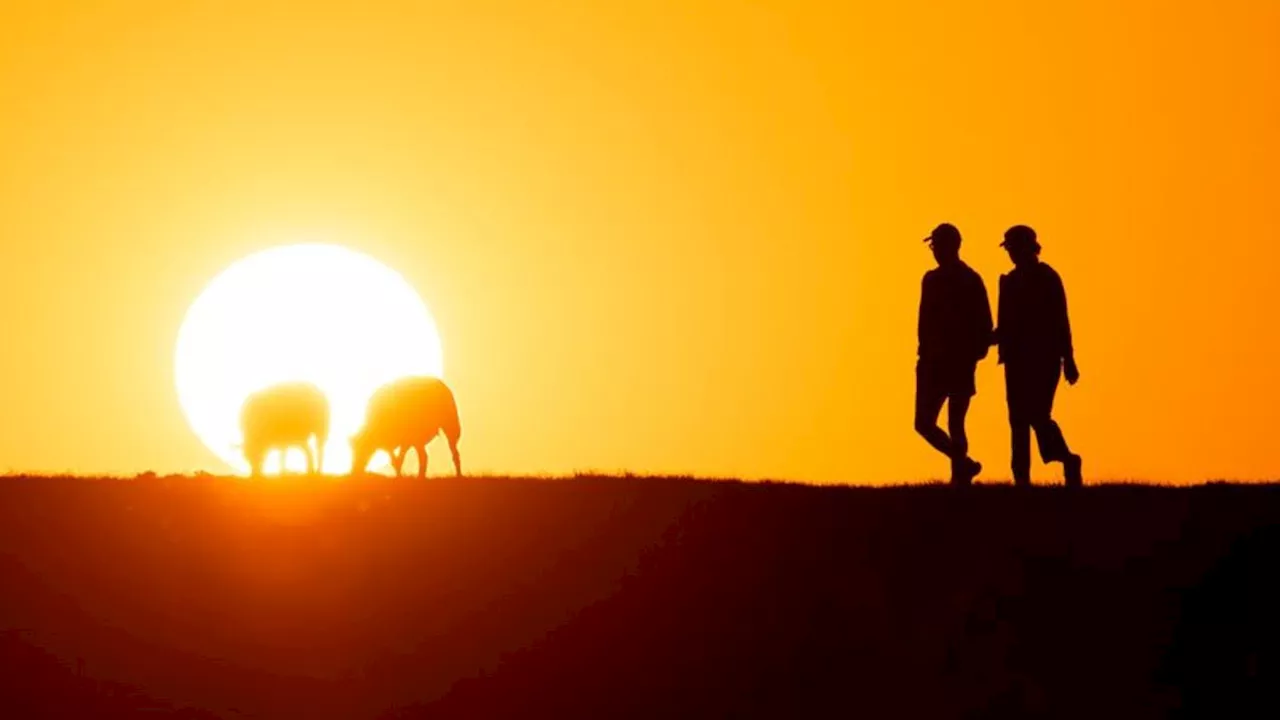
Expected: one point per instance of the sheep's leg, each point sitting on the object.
(457, 459)
(315, 454)
(398, 455)
(422, 461)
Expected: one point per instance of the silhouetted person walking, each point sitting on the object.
(1034, 336)
(955, 333)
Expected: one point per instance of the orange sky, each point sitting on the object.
(656, 236)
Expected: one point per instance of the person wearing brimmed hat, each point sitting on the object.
(1033, 333)
(954, 334)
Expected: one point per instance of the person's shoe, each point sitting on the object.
(964, 475)
(1072, 470)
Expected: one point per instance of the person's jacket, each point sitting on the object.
(1032, 322)
(955, 315)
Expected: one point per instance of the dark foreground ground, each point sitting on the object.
(634, 598)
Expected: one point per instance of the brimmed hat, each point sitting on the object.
(944, 232)
(1020, 236)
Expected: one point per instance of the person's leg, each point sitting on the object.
(957, 409)
(1020, 439)
(1019, 427)
(1071, 462)
(963, 468)
(929, 398)
(1053, 446)
(1044, 386)
(1073, 470)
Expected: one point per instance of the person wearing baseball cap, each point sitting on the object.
(954, 334)
(1033, 334)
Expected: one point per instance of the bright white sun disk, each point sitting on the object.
(312, 312)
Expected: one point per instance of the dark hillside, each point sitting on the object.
(651, 598)
(35, 684)
(787, 602)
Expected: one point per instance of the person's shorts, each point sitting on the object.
(936, 381)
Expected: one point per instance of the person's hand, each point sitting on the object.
(1070, 371)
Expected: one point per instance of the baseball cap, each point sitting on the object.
(1019, 235)
(945, 231)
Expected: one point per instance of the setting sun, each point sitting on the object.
(309, 312)
(806, 359)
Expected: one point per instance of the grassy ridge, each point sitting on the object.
(501, 597)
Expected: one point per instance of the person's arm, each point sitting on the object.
(997, 334)
(923, 318)
(1067, 348)
(985, 329)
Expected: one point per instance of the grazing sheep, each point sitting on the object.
(283, 416)
(405, 414)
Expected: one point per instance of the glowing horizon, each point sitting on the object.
(656, 237)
